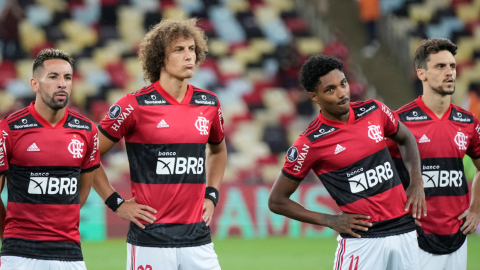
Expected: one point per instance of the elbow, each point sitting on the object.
(273, 204)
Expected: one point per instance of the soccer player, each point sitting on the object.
(48, 154)
(174, 139)
(445, 133)
(345, 146)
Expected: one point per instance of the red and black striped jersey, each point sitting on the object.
(166, 141)
(442, 144)
(352, 161)
(43, 165)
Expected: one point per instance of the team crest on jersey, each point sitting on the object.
(202, 125)
(76, 148)
(375, 133)
(292, 154)
(461, 140)
(114, 111)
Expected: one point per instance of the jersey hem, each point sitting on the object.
(291, 176)
(113, 139)
(90, 169)
(380, 235)
(4, 172)
(217, 143)
(141, 244)
(38, 257)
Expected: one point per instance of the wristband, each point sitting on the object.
(212, 194)
(114, 201)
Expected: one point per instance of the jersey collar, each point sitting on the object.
(44, 122)
(334, 123)
(430, 113)
(186, 99)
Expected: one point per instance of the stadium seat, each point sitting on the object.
(7, 69)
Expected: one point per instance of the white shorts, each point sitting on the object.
(453, 261)
(397, 252)
(22, 263)
(183, 258)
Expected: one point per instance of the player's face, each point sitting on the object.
(181, 57)
(333, 95)
(53, 83)
(441, 73)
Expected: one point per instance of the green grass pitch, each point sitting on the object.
(277, 253)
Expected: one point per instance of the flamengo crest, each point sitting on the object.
(76, 148)
(461, 140)
(202, 125)
(374, 133)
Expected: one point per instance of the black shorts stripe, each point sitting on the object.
(41, 250)
(169, 235)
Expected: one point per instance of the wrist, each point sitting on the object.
(114, 201)
(212, 194)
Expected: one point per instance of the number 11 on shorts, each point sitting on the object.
(352, 260)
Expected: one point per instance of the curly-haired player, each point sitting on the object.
(174, 139)
(345, 146)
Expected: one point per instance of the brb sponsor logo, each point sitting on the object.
(202, 125)
(41, 183)
(440, 178)
(168, 163)
(461, 140)
(364, 180)
(375, 133)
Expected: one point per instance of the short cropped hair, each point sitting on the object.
(315, 67)
(432, 46)
(153, 48)
(49, 54)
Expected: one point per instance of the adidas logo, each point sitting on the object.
(162, 124)
(339, 149)
(424, 139)
(119, 200)
(212, 194)
(33, 147)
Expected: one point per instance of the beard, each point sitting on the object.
(52, 103)
(440, 90)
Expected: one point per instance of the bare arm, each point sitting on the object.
(130, 210)
(86, 180)
(3, 210)
(280, 203)
(411, 158)
(472, 214)
(216, 159)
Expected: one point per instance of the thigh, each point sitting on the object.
(359, 254)
(403, 251)
(21, 263)
(149, 258)
(458, 259)
(429, 261)
(198, 258)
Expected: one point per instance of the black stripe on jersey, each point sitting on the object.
(11, 119)
(144, 90)
(43, 185)
(413, 115)
(203, 99)
(25, 122)
(42, 250)
(322, 131)
(364, 109)
(440, 244)
(384, 228)
(167, 163)
(75, 122)
(312, 126)
(291, 176)
(151, 99)
(169, 235)
(367, 177)
(12, 115)
(407, 106)
(217, 143)
(78, 115)
(460, 117)
(90, 169)
(110, 137)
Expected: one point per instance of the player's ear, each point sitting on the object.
(313, 96)
(34, 85)
(421, 74)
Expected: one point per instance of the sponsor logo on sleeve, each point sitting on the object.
(114, 111)
(389, 113)
(122, 116)
(292, 154)
(301, 158)
(3, 148)
(220, 117)
(95, 147)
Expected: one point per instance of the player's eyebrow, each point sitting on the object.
(334, 85)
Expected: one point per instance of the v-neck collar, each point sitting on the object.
(334, 123)
(44, 122)
(430, 113)
(186, 99)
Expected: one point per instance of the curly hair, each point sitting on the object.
(48, 54)
(432, 46)
(315, 67)
(153, 48)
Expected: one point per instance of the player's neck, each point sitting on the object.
(439, 104)
(51, 116)
(175, 87)
(340, 118)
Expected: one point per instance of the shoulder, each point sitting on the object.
(316, 130)
(407, 107)
(204, 97)
(460, 115)
(363, 108)
(77, 121)
(16, 115)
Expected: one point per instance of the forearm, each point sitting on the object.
(411, 159)
(215, 167)
(85, 186)
(291, 209)
(475, 200)
(101, 184)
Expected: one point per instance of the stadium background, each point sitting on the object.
(256, 50)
